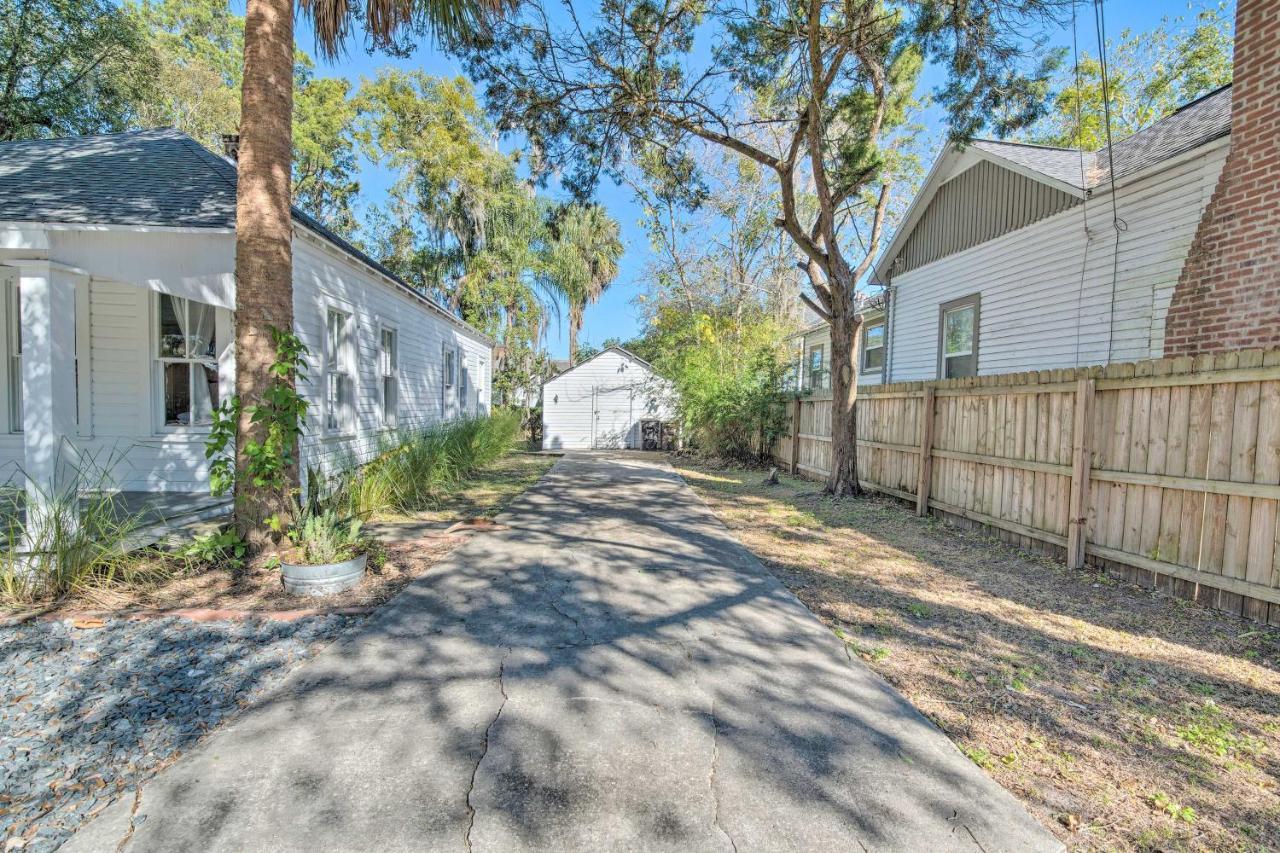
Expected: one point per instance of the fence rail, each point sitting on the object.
(1166, 472)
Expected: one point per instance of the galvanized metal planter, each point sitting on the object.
(325, 579)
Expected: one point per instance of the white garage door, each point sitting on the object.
(612, 417)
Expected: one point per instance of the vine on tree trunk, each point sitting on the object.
(281, 414)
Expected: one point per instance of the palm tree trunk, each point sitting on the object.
(575, 323)
(264, 231)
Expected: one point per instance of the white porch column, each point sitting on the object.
(48, 329)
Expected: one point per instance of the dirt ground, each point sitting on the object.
(403, 556)
(1123, 720)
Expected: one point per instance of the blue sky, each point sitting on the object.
(615, 315)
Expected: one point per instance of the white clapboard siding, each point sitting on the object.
(120, 435)
(601, 402)
(1047, 288)
(325, 278)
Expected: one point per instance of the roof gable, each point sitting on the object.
(625, 353)
(1073, 172)
(981, 203)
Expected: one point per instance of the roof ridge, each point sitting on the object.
(1024, 144)
(211, 161)
(78, 137)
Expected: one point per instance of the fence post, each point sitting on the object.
(795, 436)
(924, 482)
(1080, 465)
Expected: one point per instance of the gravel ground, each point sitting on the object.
(87, 713)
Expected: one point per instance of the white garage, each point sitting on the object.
(612, 400)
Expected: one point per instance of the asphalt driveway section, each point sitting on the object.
(608, 670)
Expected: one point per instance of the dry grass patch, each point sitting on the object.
(1123, 720)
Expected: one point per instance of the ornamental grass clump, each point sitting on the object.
(57, 542)
(413, 473)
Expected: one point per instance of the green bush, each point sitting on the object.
(726, 372)
(413, 473)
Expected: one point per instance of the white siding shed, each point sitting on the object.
(603, 402)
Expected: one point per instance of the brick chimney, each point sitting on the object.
(1228, 295)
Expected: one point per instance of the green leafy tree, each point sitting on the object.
(324, 151)
(831, 80)
(200, 48)
(200, 45)
(582, 261)
(459, 222)
(71, 67)
(1149, 75)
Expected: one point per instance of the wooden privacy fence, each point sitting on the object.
(1164, 472)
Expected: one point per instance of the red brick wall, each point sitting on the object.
(1228, 295)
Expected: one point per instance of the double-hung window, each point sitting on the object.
(817, 369)
(186, 361)
(873, 347)
(958, 338)
(13, 337)
(339, 395)
(448, 376)
(462, 382)
(390, 372)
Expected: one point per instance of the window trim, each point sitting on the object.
(13, 352)
(821, 350)
(884, 343)
(383, 330)
(154, 359)
(974, 301)
(344, 360)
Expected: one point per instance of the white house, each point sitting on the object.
(1018, 257)
(117, 259)
(611, 400)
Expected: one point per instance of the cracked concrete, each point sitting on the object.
(611, 671)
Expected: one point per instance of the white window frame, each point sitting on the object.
(157, 363)
(338, 362)
(13, 353)
(460, 359)
(884, 342)
(821, 350)
(448, 376)
(389, 375)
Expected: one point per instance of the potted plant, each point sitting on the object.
(329, 554)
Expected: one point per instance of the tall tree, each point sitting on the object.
(1149, 75)
(583, 261)
(70, 67)
(458, 221)
(831, 77)
(264, 250)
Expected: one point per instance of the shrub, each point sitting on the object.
(726, 372)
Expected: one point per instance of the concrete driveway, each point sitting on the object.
(612, 671)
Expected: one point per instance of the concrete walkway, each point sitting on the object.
(613, 671)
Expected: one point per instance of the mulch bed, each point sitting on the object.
(1123, 719)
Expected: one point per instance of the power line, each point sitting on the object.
(1100, 22)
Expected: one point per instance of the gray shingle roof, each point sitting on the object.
(1201, 121)
(1061, 164)
(142, 177)
(149, 177)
